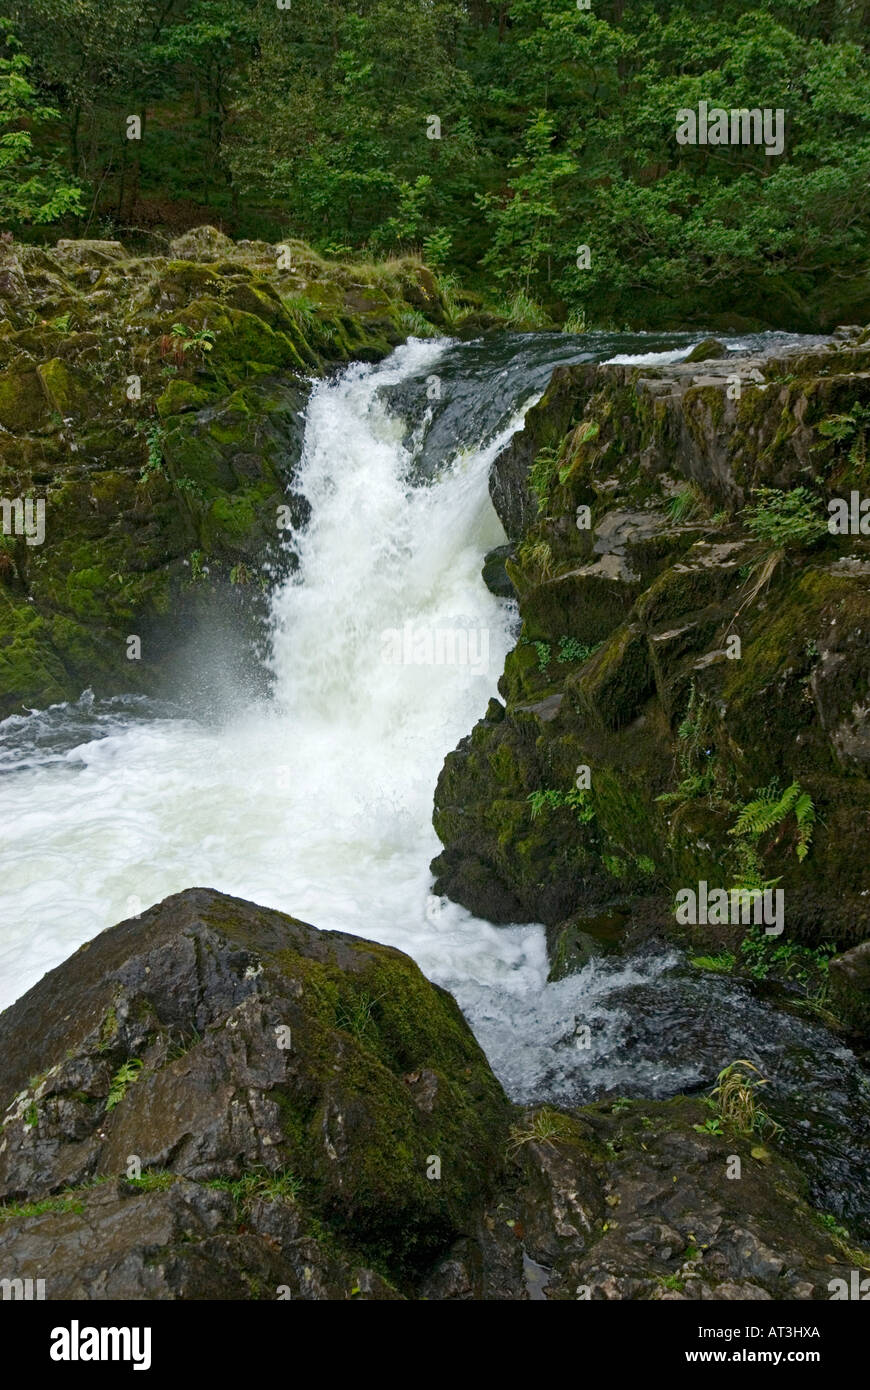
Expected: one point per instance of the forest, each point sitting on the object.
(527, 150)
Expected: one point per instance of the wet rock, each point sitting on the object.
(162, 455)
(215, 1100)
(849, 975)
(707, 351)
(664, 650)
(255, 1077)
(495, 576)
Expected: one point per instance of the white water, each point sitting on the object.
(320, 803)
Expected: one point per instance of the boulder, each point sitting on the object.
(216, 1080)
(214, 1100)
(849, 976)
(707, 351)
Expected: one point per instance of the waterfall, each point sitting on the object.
(386, 647)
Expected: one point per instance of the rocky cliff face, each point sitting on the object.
(151, 405)
(690, 693)
(218, 1101)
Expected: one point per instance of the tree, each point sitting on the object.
(33, 188)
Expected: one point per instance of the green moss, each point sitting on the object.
(182, 395)
(68, 392)
(23, 405)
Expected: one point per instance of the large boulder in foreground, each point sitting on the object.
(216, 1101)
(238, 1058)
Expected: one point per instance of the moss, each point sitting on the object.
(23, 405)
(615, 682)
(68, 392)
(181, 395)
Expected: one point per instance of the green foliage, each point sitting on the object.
(33, 187)
(851, 428)
(127, 1073)
(786, 519)
(769, 809)
(572, 649)
(184, 340)
(544, 653)
(155, 436)
(557, 130)
(723, 963)
(763, 955)
(553, 800)
(687, 504)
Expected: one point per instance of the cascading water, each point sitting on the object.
(319, 800)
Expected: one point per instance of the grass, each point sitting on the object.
(545, 1126)
(357, 1015)
(537, 556)
(735, 1097)
(68, 1200)
(687, 505)
(521, 311)
(416, 324)
(260, 1185)
(152, 1182)
(183, 1044)
(723, 963)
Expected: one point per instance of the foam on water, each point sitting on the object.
(320, 802)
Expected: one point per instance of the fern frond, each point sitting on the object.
(755, 818)
(805, 815)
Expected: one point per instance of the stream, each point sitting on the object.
(318, 800)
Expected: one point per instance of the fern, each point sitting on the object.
(768, 810)
(805, 815)
(127, 1073)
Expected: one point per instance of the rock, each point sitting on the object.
(214, 1100)
(89, 253)
(202, 244)
(707, 351)
(495, 576)
(572, 944)
(849, 975)
(267, 1077)
(629, 1201)
(626, 663)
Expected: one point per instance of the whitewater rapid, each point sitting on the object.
(318, 802)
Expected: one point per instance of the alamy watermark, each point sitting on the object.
(850, 518)
(22, 1290)
(422, 645)
(740, 906)
(741, 126)
(23, 516)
